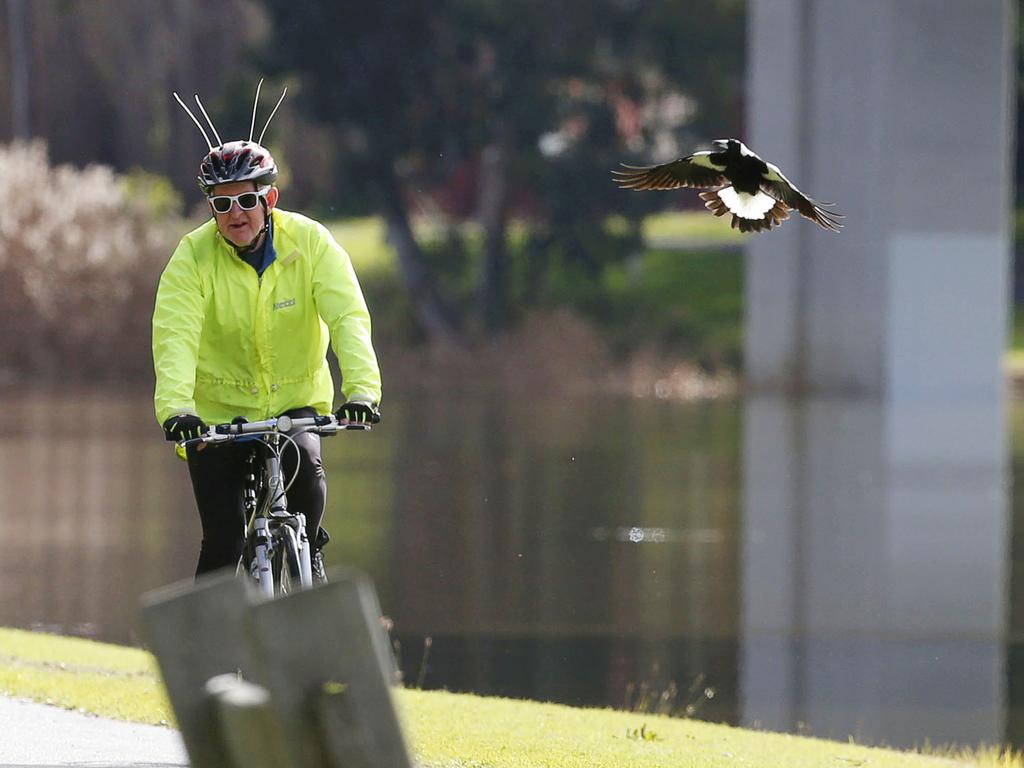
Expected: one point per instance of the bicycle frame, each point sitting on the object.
(269, 520)
(272, 531)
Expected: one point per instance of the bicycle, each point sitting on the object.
(276, 553)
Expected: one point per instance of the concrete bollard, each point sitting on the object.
(328, 668)
(249, 728)
(196, 633)
(317, 669)
(345, 740)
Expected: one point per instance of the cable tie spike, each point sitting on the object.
(194, 120)
(212, 127)
(283, 94)
(255, 103)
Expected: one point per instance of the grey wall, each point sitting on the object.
(874, 592)
(875, 534)
(899, 112)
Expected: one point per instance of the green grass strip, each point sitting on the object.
(447, 730)
(469, 731)
(105, 680)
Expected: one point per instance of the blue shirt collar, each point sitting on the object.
(265, 255)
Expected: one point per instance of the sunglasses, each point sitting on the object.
(246, 201)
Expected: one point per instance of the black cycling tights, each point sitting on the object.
(218, 478)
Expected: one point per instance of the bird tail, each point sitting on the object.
(775, 216)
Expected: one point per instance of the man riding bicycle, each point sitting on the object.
(245, 310)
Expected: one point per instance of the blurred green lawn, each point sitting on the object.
(1015, 354)
(684, 293)
(690, 226)
(365, 238)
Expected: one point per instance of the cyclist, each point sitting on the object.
(244, 313)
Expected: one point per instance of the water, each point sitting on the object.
(757, 563)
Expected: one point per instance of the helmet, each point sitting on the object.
(237, 161)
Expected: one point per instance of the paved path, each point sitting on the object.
(48, 737)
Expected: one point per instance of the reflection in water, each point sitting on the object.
(92, 510)
(507, 551)
(592, 552)
(874, 575)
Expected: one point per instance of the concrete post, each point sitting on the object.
(873, 594)
(300, 680)
(197, 632)
(899, 111)
(324, 658)
(875, 534)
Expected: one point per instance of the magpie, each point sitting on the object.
(735, 181)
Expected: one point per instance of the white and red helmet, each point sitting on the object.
(237, 161)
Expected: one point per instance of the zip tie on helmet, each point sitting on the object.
(198, 124)
(252, 125)
(283, 93)
(255, 103)
(212, 128)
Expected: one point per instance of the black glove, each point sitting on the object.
(358, 413)
(183, 427)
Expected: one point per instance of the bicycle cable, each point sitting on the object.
(279, 454)
(298, 457)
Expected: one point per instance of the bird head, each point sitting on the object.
(721, 144)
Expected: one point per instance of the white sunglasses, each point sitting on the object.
(246, 201)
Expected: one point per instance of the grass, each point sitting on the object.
(686, 303)
(1016, 354)
(365, 239)
(692, 226)
(447, 730)
(105, 680)
(467, 730)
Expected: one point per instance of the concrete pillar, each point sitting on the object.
(898, 111)
(873, 592)
(875, 541)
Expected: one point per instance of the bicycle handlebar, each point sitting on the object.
(322, 425)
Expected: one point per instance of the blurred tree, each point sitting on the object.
(538, 100)
(99, 76)
(483, 110)
(365, 68)
(586, 84)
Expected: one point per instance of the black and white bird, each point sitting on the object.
(735, 181)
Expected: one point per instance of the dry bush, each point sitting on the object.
(553, 353)
(80, 254)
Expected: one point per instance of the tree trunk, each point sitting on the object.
(494, 219)
(434, 316)
(17, 19)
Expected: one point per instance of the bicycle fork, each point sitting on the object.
(305, 559)
(261, 565)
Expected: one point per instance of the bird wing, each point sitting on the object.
(695, 171)
(774, 183)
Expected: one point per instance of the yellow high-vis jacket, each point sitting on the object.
(227, 342)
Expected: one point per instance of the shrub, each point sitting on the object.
(81, 251)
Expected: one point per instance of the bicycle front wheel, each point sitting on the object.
(285, 564)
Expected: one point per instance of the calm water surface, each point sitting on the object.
(627, 553)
